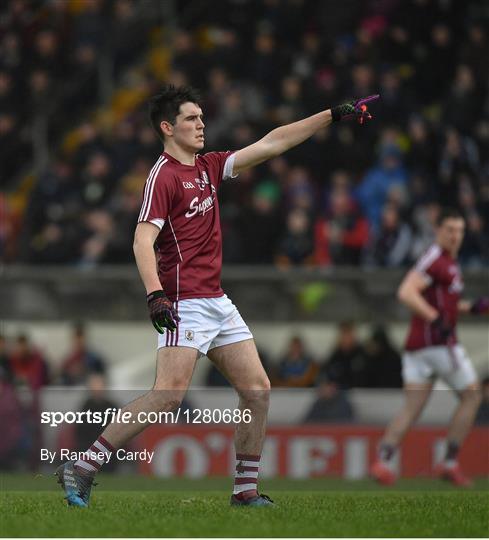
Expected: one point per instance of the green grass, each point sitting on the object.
(135, 506)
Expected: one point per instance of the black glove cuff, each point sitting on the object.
(156, 294)
(335, 114)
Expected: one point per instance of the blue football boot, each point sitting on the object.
(77, 486)
(259, 500)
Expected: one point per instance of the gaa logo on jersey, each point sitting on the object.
(202, 182)
(189, 335)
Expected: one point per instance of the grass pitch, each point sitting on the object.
(139, 507)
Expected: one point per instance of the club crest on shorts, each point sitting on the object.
(189, 335)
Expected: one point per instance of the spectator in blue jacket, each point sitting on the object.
(373, 190)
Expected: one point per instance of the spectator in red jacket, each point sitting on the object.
(29, 370)
(342, 234)
(27, 364)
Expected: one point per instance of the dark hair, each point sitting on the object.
(448, 213)
(166, 105)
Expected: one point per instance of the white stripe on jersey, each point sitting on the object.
(178, 281)
(153, 182)
(146, 187)
(175, 236)
(426, 260)
(148, 191)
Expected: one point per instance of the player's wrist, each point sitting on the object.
(159, 293)
(338, 112)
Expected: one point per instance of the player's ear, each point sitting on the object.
(166, 128)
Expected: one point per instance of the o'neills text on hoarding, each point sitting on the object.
(304, 451)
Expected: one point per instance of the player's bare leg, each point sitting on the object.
(416, 396)
(464, 414)
(174, 369)
(241, 365)
(459, 427)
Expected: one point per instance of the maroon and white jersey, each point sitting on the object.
(443, 293)
(182, 201)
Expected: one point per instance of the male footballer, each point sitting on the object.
(431, 290)
(178, 251)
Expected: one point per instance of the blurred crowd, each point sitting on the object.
(351, 195)
(350, 363)
(24, 371)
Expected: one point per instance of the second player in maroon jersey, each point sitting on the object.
(432, 291)
(443, 277)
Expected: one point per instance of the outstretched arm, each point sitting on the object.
(280, 140)
(285, 137)
(477, 307)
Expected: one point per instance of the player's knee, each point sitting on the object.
(262, 387)
(264, 384)
(256, 395)
(163, 399)
(176, 384)
(472, 395)
(169, 404)
(412, 411)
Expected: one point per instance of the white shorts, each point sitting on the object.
(449, 363)
(206, 323)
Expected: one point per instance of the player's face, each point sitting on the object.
(188, 130)
(450, 234)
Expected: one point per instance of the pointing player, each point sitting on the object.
(192, 315)
(431, 290)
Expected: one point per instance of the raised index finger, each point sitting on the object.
(368, 99)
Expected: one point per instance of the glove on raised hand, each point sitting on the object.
(356, 109)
